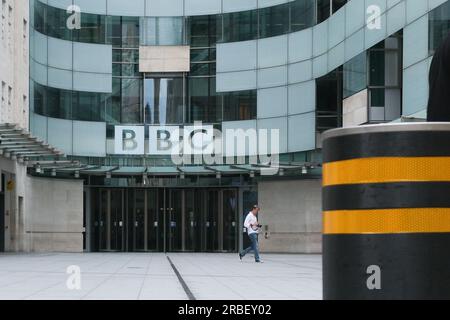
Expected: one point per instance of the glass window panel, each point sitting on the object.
(323, 10)
(164, 100)
(130, 32)
(131, 101)
(302, 14)
(203, 31)
(239, 105)
(439, 25)
(163, 31)
(114, 31)
(130, 56)
(39, 16)
(56, 24)
(274, 21)
(117, 55)
(58, 103)
(240, 26)
(337, 4)
(392, 68)
(93, 29)
(113, 110)
(355, 75)
(39, 96)
(200, 69)
(117, 69)
(205, 104)
(198, 55)
(88, 106)
(377, 98)
(130, 70)
(377, 74)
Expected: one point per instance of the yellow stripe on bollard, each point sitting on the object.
(387, 221)
(385, 170)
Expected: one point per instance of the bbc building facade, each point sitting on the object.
(115, 84)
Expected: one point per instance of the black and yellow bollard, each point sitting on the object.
(386, 212)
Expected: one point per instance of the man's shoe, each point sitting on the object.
(240, 256)
(259, 261)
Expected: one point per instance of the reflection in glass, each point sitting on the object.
(162, 31)
(203, 30)
(164, 101)
(355, 75)
(131, 101)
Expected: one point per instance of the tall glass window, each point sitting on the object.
(204, 104)
(125, 104)
(385, 61)
(162, 31)
(329, 100)
(164, 100)
(131, 100)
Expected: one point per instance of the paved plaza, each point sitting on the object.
(156, 276)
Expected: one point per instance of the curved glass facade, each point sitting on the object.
(230, 27)
(260, 68)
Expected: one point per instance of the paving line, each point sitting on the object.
(182, 282)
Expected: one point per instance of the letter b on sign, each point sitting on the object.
(129, 140)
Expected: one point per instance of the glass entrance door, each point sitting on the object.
(147, 226)
(110, 220)
(166, 220)
(174, 220)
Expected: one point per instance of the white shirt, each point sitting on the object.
(251, 220)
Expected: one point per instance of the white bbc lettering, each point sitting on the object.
(130, 140)
(163, 140)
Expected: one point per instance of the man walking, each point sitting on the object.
(251, 223)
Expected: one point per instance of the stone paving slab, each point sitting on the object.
(150, 276)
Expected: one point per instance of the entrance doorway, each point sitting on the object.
(165, 220)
